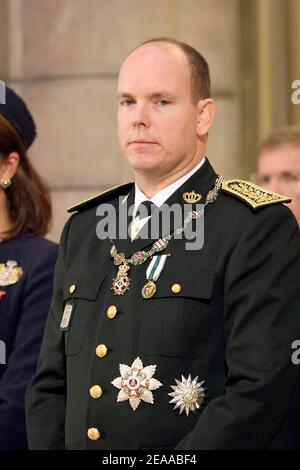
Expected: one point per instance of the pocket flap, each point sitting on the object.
(82, 286)
(197, 284)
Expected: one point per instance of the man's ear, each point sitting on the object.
(206, 110)
(9, 166)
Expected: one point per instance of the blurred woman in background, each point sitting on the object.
(26, 266)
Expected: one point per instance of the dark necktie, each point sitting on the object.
(145, 209)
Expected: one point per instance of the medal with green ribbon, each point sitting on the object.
(152, 274)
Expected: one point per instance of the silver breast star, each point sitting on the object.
(188, 394)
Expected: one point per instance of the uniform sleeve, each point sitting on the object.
(25, 350)
(261, 320)
(45, 397)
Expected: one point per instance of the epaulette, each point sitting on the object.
(100, 198)
(253, 195)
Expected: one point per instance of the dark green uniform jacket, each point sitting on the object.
(230, 321)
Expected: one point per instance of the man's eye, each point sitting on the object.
(163, 102)
(264, 180)
(126, 102)
(291, 178)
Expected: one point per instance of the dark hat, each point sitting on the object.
(17, 113)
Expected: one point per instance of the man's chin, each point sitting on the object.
(143, 162)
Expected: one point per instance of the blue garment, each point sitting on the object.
(23, 312)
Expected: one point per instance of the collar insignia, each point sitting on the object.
(191, 197)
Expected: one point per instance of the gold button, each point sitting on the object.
(101, 350)
(93, 434)
(112, 311)
(72, 288)
(96, 391)
(176, 288)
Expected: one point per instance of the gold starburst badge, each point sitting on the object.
(187, 395)
(135, 383)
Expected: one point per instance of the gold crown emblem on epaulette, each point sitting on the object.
(191, 197)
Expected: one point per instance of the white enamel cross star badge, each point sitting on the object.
(136, 383)
(187, 395)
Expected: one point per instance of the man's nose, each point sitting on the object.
(141, 116)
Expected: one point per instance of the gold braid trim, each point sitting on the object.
(253, 195)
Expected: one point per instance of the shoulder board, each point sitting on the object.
(253, 195)
(99, 198)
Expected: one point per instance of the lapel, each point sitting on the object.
(201, 182)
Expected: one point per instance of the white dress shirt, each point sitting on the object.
(158, 199)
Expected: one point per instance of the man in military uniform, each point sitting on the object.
(149, 344)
